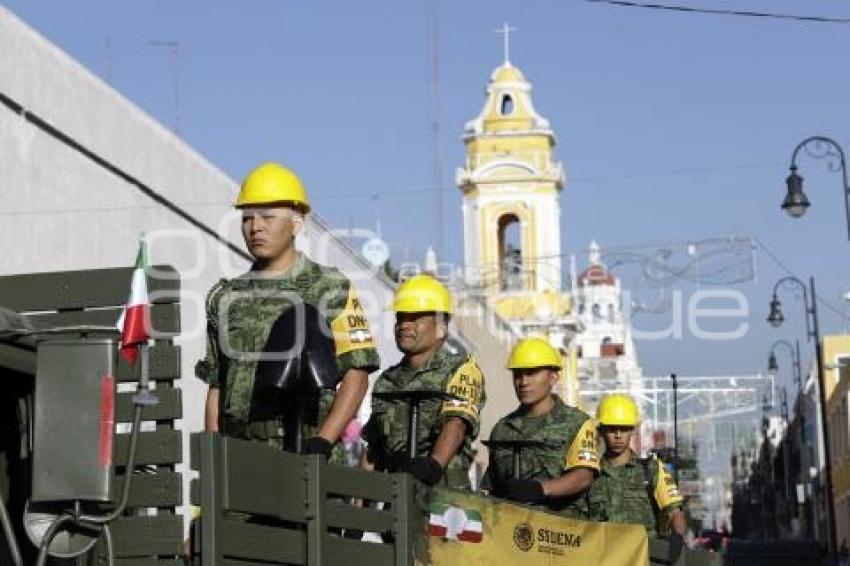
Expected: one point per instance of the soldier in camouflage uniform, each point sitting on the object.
(242, 311)
(631, 489)
(558, 466)
(446, 428)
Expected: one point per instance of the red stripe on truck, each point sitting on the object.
(107, 420)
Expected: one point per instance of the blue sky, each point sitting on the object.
(672, 127)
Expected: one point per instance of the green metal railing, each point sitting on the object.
(261, 504)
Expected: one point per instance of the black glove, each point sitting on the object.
(425, 469)
(524, 491)
(398, 462)
(317, 445)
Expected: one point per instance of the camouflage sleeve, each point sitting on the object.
(207, 369)
(467, 385)
(583, 452)
(355, 347)
(666, 492)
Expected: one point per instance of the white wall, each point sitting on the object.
(61, 211)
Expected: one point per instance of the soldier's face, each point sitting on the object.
(416, 332)
(533, 385)
(617, 438)
(269, 231)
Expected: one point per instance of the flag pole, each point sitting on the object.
(143, 395)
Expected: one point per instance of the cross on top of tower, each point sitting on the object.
(506, 30)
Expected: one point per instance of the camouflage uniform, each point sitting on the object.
(621, 494)
(240, 314)
(570, 435)
(386, 431)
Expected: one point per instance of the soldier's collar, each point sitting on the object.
(559, 403)
(632, 461)
(522, 413)
(435, 360)
(295, 270)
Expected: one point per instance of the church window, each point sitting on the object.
(507, 105)
(510, 252)
(597, 311)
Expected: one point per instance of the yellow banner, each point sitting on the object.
(470, 529)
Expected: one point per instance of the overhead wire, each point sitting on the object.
(721, 12)
(381, 193)
(773, 257)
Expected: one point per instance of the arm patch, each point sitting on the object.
(466, 383)
(666, 491)
(351, 328)
(584, 450)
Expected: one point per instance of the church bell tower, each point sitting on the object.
(511, 183)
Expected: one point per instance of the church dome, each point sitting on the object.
(507, 73)
(596, 275)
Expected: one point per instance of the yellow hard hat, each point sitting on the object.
(618, 409)
(272, 183)
(534, 352)
(422, 293)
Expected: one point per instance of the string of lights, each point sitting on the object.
(745, 242)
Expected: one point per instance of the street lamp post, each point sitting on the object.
(773, 368)
(796, 203)
(675, 429)
(813, 333)
(770, 520)
(785, 464)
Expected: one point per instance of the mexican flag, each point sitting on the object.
(135, 320)
(455, 523)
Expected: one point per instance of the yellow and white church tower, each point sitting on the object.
(511, 185)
